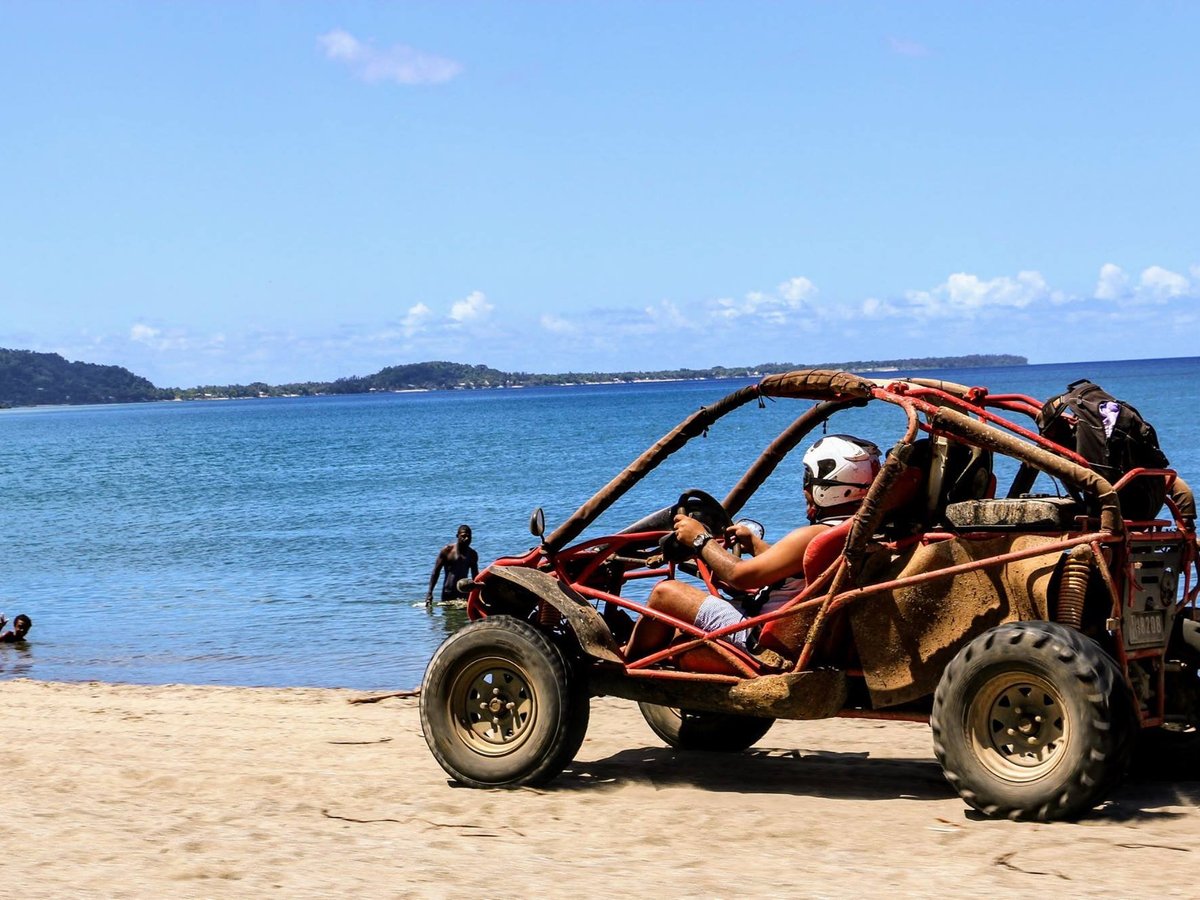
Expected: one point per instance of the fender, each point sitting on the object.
(589, 628)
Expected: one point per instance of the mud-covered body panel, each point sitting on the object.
(906, 636)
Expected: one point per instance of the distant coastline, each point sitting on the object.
(28, 378)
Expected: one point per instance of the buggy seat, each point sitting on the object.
(785, 635)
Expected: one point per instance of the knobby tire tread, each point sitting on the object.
(1103, 760)
(711, 732)
(568, 733)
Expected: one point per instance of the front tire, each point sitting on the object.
(500, 707)
(1032, 720)
(686, 729)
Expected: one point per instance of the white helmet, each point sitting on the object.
(839, 468)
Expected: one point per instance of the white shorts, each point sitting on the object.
(716, 613)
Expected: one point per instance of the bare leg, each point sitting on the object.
(674, 598)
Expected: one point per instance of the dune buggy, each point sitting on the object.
(1038, 635)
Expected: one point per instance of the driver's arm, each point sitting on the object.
(783, 558)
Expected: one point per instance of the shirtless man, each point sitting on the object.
(21, 626)
(458, 561)
(838, 470)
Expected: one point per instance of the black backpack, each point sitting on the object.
(1132, 443)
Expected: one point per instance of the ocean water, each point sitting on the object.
(289, 542)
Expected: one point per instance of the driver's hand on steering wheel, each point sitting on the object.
(688, 529)
(740, 539)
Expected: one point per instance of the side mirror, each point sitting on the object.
(756, 528)
(537, 523)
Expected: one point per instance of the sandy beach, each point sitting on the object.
(180, 791)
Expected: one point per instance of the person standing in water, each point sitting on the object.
(21, 626)
(457, 561)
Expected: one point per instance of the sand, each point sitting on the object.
(179, 791)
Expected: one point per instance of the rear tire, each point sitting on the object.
(500, 707)
(1032, 720)
(686, 729)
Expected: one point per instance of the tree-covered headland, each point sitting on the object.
(28, 378)
(32, 379)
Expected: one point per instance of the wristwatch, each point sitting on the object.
(700, 540)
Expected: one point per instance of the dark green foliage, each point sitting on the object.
(440, 376)
(30, 379)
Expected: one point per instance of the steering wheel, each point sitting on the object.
(705, 509)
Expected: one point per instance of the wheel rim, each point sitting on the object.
(493, 706)
(1019, 726)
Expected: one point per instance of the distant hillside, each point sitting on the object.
(29, 379)
(442, 376)
(447, 375)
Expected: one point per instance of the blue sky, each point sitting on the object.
(217, 192)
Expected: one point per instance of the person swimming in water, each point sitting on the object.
(21, 626)
(457, 561)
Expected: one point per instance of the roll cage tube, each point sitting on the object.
(1087, 480)
(977, 404)
(762, 468)
(941, 419)
(839, 389)
(812, 384)
(1000, 435)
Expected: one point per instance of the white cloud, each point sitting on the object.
(143, 334)
(874, 308)
(668, 316)
(797, 290)
(399, 63)
(340, 45)
(1126, 315)
(968, 295)
(1162, 284)
(792, 297)
(473, 308)
(1155, 285)
(728, 308)
(558, 325)
(414, 321)
(1113, 283)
